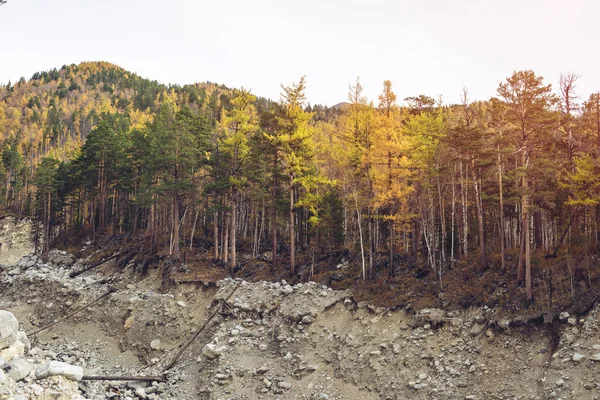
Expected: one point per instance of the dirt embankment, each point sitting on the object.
(278, 341)
(15, 240)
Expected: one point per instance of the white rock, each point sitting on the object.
(53, 368)
(595, 357)
(141, 393)
(213, 351)
(37, 389)
(287, 289)
(18, 369)
(577, 357)
(156, 344)
(284, 385)
(15, 350)
(9, 327)
(22, 337)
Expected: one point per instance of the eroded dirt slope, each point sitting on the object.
(277, 341)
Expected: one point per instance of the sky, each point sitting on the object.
(431, 47)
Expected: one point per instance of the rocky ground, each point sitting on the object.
(271, 341)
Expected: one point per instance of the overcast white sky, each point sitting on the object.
(432, 47)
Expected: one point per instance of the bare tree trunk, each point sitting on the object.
(292, 229)
(274, 234)
(255, 234)
(226, 239)
(501, 224)
(176, 226)
(194, 229)
(360, 234)
(522, 246)
(216, 234)
(370, 227)
(464, 194)
(443, 221)
(233, 258)
(392, 272)
(262, 228)
(479, 207)
(453, 215)
(527, 254)
(47, 209)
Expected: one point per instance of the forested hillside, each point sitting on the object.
(483, 197)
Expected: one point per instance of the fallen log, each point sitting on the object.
(189, 342)
(110, 290)
(86, 269)
(564, 235)
(123, 378)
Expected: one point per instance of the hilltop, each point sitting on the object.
(53, 112)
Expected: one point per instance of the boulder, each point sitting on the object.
(287, 289)
(433, 316)
(212, 351)
(61, 258)
(156, 344)
(22, 337)
(13, 351)
(18, 369)
(9, 329)
(476, 329)
(53, 368)
(284, 385)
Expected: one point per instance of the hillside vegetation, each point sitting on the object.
(416, 203)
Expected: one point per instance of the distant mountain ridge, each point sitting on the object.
(53, 112)
(341, 106)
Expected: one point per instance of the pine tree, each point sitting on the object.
(45, 179)
(392, 166)
(238, 127)
(294, 139)
(528, 103)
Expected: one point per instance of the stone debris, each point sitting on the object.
(17, 370)
(273, 340)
